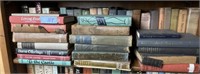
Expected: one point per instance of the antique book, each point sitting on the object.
(161, 18)
(77, 12)
(42, 62)
(136, 18)
(41, 19)
(113, 65)
(192, 20)
(32, 45)
(101, 40)
(157, 34)
(100, 30)
(30, 69)
(41, 28)
(93, 11)
(105, 20)
(28, 14)
(182, 21)
(108, 56)
(186, 40)
(101, 48)
(174, 19)
(154, 19)
(43, 57)
(167, 17)
(145, 21)
(40, 37)
(105, 11)
(42, 52)
(63, 10)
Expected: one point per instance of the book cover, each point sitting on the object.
(154, 19)
(182, 20)
(113, 10)
(63, 10)
(40, 37)
(99, 64)
(100, 30)
(158, 34)
(101, 40)
(167, 17)
(136, 18)
(93, 11)
(161, 18)
(87, 70)
(174, 19)
(30, 69)
(116, 56)
(105, 20)
(99, 11)
(145, 20)
(105, 11)
(39, 69)
(121, 12)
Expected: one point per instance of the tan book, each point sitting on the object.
(198, 33)
(161, 18)
(105, 11)
(40, 37)
(136, 18)
(100, 30)
(192, 21)
(30, 69)
(167, 17)
(174, 19)
(182, 20)
(93, 11)
(145, 21)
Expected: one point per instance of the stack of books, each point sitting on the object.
(101, 43)
(41, 41)
(167, 51)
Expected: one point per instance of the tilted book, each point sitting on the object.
(100, 30)
(40, 37)
(99, 64)
(107, 20)
(101, 40)
(109, 56)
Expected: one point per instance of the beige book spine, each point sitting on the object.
(30, 69)
(182, 20)
(93, 11)
(174, 19)
(105, 11)
(39, 69)
(161, 18)
(48, 69)
(176, 59)
(145, 21)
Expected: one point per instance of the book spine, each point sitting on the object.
(78, 55)
(32, 45)
(108, 48)
(112, 11)
(95, 71)
(105, 11)
(116, 72)
(43, 57)
(99, 11)
(103, 64)
(105, 20)
(55, 70)
(161, 18)
(152, 62)
(93, 11)
(77, 12)
(85, 12)
(121, 12)
(136, 18)
(48, 69)
(154, 19)
(39, 69)
(40, 37)
(43, 62)
(104, 40)
(174, 19)
(30, 69)
(160, 36)
(87, 70)
(145, 21)
(100, 30)
(42, 52)
(154, 50)
(36, 19)
(167, 17)
(35, 28)
(63, 10)
(182, 19)
(70, 12)
(129, 13)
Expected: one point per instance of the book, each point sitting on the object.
(87, 70)
(41, 28)
(101, 40)
(90, 55)
(100, 48)
(186, 40)
(70, 11)
(93, 11)
(32, 45)
(105, 11)
(48, 69)
(129, 12)
(40, 37)
(136, 18)
(99, 30)
(63, 10)
(105, 20)
(145, 20)
(42, 62)
(155, 33)
(161, 18)
(99, 64)
(39, 69)
(43, 57)
(154, 19)
(40, 19)
(171, 50)
(78, 70)
(42, 52)
(192, 20)
(85, 12)
(32, 9)
(121, 12)
(167, 17)
(95, 71)
(99, 11)
(77, 12)
(30, 69)
(116, 72)
(113, 10)
(105, 71)
(174, 19)
(182, 19)
(33, 14)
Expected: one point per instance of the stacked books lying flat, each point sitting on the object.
(101, 42)
(167, 51)
(41, 41)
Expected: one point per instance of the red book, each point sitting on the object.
(40, 19)
(37, 28)
(192, 68)
(87, 70)
(43, 57)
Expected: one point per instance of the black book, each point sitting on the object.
(113, 10)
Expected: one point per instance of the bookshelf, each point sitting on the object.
(7, 48)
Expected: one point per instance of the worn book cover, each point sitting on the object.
(167, 17)
(174, 19)
(154, 19)
(182, 20)
(145, 20)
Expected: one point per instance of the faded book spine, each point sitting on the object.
(40, 37)
(174, 19)
(93, 11)
(30, 69)
(100, 30)
(106, 20)
(81, 55)
(37, 28)
(103, 64)
(102, 40)
(182, 19)
(39, 69)
(145, 21)
(48, 69)
(42, 52)
(100, 48)
(43, 57)
(154, 19)
(167, 17)
(32, 45)
(55, 70)
(42, 62)
(161, 18)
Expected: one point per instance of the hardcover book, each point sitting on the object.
(161, 18)
(28, 14)
(182, 20)
(113, 10)
(174, 19)
(145, 21)
(154, 19)
(93, 11)
(100, 30)
(105, 11)
(105, 20)
(101, 40)
(167, 17)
